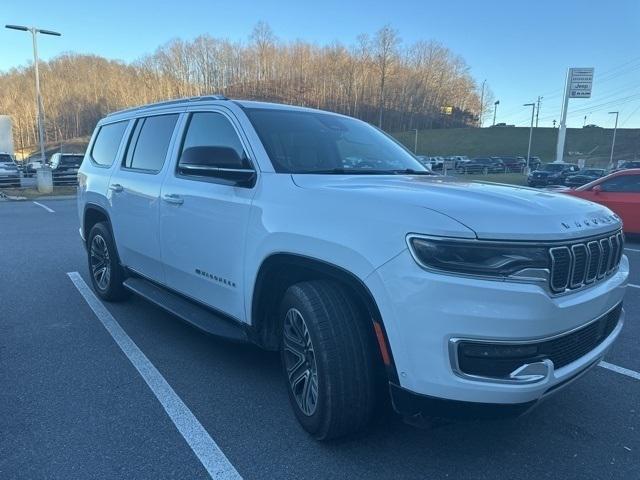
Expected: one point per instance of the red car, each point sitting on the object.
(619, 191)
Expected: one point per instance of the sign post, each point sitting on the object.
(578, 85)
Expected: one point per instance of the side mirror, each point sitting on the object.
(596, 189)
(217, 162)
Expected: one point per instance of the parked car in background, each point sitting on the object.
(65, 167)
(424, 161)
(454, 161)
(513, 163)
(482, 165)
(620, 192)
(584, 176)
(628, 165)
(437, 163)
(534, 163)
(9, 172)
(551, 174)
(32, 165)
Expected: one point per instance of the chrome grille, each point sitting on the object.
(581, 263)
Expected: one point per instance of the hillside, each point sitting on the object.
(592, 144)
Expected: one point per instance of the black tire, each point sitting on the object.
(100, 245)
(343, 353)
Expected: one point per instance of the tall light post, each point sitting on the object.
(481, 104)
(44, 178)
(495, 110)
(613, 142)
(533, 111)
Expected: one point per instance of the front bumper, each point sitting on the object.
(424, 311)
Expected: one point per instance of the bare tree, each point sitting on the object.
(385, 46)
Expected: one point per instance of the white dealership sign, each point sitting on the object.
(580, 82)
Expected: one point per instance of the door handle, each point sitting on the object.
(116, 187)
(173, 198)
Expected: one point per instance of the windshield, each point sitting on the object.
(552, 167)
(316, 142)
(5, 158)
(592, 172)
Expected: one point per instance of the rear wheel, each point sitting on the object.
(328, 359)
(106, 272)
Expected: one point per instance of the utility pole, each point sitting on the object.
(44, 178)
(613, 142)
(415, 142)
(533, 111)
(538, 110)
(584, 123)
(481, 104)
(495, 110)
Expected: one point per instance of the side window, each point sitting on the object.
(106, 145)
(214, 132)
(149, 143)
(623, 184)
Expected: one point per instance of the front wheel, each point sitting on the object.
(106, 272)
(328, 359)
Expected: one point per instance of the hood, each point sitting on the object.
(492, 211)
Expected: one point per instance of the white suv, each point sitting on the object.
(319, 236)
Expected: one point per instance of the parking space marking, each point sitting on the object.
(632, 250)
(633, 285)
(205, 448)
(620, 370)
(50, 210)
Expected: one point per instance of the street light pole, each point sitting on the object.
(538, 110)
(495, 110)
(533, 110)
(481, 104)
(613, 142)
(45, 181)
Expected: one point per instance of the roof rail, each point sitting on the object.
(171, 102)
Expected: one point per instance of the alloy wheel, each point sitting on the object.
(100, 264)
(300, 362)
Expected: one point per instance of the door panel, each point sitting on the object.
(203, 223)
(134, 195)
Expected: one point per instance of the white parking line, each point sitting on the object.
(633, 285)
(620, 370)
(50, 210)
(210, 455)
(627, 249)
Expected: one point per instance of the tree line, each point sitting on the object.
(423, 85)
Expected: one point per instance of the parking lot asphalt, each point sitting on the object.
(72, 405)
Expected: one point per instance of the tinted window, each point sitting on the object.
(208, 129)
(5, 158)
(71, 160)
(625, 184)
(107, 142)
(310, 142)
(149, 143)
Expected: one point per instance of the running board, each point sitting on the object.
(190, 312)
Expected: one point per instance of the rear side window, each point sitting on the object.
(149, 143)
(107, 142)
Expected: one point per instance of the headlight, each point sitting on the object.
(477, 257)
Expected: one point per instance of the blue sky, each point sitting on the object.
(522, 48)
